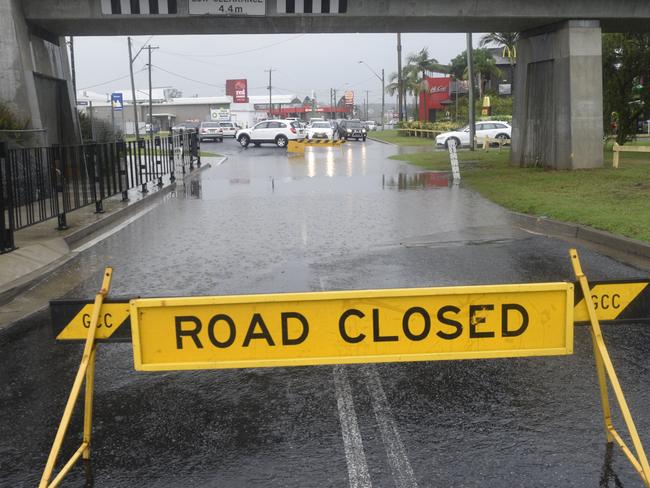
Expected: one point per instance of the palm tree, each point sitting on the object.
(419, 64)
(485, 65)
(508, 41)
(411, 85)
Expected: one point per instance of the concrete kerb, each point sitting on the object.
(615, 244)
(63, 246)
(383, 142)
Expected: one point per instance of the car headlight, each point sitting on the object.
(363, 130)
(349, 130)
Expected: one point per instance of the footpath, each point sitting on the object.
(42, 249)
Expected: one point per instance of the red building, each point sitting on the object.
(435, 98)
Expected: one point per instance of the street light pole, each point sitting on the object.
(383, 89)
(270, 72)
(470, 77)
(400, 87)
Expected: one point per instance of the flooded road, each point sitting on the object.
(335, 219)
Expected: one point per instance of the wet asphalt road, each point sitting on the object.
(332, 220)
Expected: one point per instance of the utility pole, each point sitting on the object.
(383, 97)
(336, 106)
(367, 92)
(149, 48)
(135, 105)
(400, 83)
(470, 77)
(72, 67)
(270, 72)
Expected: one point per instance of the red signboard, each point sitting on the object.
(438, 90)
(238, 90)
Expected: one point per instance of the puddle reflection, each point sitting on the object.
(416, 181)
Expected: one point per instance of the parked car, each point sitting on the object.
(210, 130)
(186, 126)
(320, 130)
(278, 132)
(370, 125)
(352, 129)
(229, 129)
(494, 129)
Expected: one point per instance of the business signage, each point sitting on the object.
(117, 101)
(349, 97)
(227, 7)
(238, 90)
(219, 114)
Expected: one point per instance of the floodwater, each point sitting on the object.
(335, 219)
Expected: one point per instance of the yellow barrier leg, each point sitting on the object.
(88, 403)
(605, 369)
(88, 355)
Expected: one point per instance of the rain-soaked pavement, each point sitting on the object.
(336, 219)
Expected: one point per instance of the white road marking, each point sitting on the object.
(397, 459)
(354, 454)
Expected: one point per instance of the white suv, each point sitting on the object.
(278, 132)
(494, 129)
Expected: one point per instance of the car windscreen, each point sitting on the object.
(321, 125)
(353, 125)
(209, 124)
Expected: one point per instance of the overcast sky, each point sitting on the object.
(199, 65)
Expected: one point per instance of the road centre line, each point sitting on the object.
(354, 454)
(400, 466)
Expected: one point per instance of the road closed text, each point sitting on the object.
(352, 327)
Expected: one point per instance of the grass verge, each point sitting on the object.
(392, 137)
(614, 200)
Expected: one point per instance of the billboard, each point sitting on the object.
(349, 98)
(238, 90)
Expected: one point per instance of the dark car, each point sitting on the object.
(352, 129)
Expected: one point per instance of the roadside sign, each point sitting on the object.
(620, 301)
(71, 320)
(352, 327)
(117, 101)
(227, 7)
(615, 302)
(82, 103)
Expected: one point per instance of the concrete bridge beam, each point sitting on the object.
(558, 106)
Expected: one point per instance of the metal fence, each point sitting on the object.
(41, 183)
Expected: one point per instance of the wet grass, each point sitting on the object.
(392, 137)
(614, 200)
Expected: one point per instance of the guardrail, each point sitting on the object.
(618, 149)
(40, 183)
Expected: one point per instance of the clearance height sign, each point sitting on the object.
(352, 327)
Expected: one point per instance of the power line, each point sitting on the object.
(110, 81)
(186, 78)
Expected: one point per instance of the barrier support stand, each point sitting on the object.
(605, 370)
(87, 371)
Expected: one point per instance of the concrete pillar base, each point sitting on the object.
(35, 79)
(558, 90)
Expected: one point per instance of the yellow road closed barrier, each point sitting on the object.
(356, 327)
(299, 145)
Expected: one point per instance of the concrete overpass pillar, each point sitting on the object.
(558, 106)
(35, 78)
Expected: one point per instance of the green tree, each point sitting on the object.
(626, 72)
(508, 41)
(484, 66)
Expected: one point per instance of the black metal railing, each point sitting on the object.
(40, 183)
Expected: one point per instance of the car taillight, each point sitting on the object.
(293, 130)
